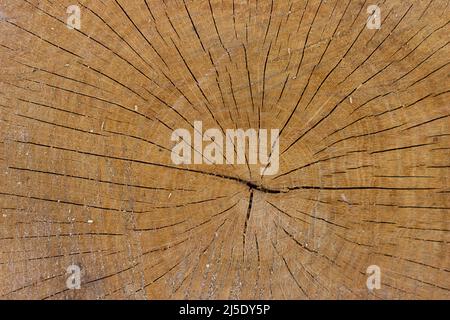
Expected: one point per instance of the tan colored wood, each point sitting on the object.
(86, 118)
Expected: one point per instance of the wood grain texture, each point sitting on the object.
(86, 175)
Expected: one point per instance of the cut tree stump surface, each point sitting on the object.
(87, 179)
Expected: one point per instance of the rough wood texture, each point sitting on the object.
(87, 179)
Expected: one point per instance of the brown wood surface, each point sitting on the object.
(87, 179)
